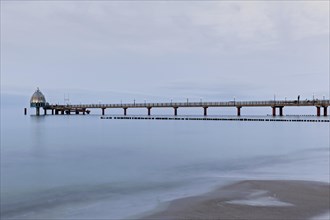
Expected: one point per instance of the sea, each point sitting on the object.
(85, 167)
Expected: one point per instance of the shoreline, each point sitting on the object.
(252, 199)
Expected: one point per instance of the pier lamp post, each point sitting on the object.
(234, 100)
(313, 96)
(134, 102)
(285, 98)
(145, 102)
(274, 97)
(171, 101)
(187, 101)
(323, 97)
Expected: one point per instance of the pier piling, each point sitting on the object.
(205, 110)
(239, 111)
(318, 110)
(175, 111)
(281, 110)
(325, 111)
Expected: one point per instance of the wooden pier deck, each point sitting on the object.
(274, 105)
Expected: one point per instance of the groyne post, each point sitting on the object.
(149, 110)
(325, 110)
(125, 111)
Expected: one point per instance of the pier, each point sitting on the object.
(276, 107)
(38, 101)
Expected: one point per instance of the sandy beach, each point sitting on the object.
(254, 199)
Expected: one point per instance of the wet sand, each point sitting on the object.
(254, 199)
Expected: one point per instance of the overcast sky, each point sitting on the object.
(165, 50)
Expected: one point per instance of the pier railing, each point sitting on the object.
(201, 104)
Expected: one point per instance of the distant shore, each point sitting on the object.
(254, 199)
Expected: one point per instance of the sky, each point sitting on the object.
(111, 51)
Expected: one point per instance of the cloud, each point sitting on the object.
(158, 27)
(146, 47)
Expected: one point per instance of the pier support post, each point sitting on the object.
(325, 110)
(77, 112)
(205, 111)
(149, 110)
(239, 110)
(45, 111)
(25, 111)
(52, 111)
(175, 111)
(318, 111)
(62, 112)
(281, 110)
(125, 111)
(56, 112)
(103, 111)
(37, 111)
(274, 111)
(84, 111)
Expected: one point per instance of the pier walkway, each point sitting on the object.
(274, 105)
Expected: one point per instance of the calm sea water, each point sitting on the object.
(76, 167)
